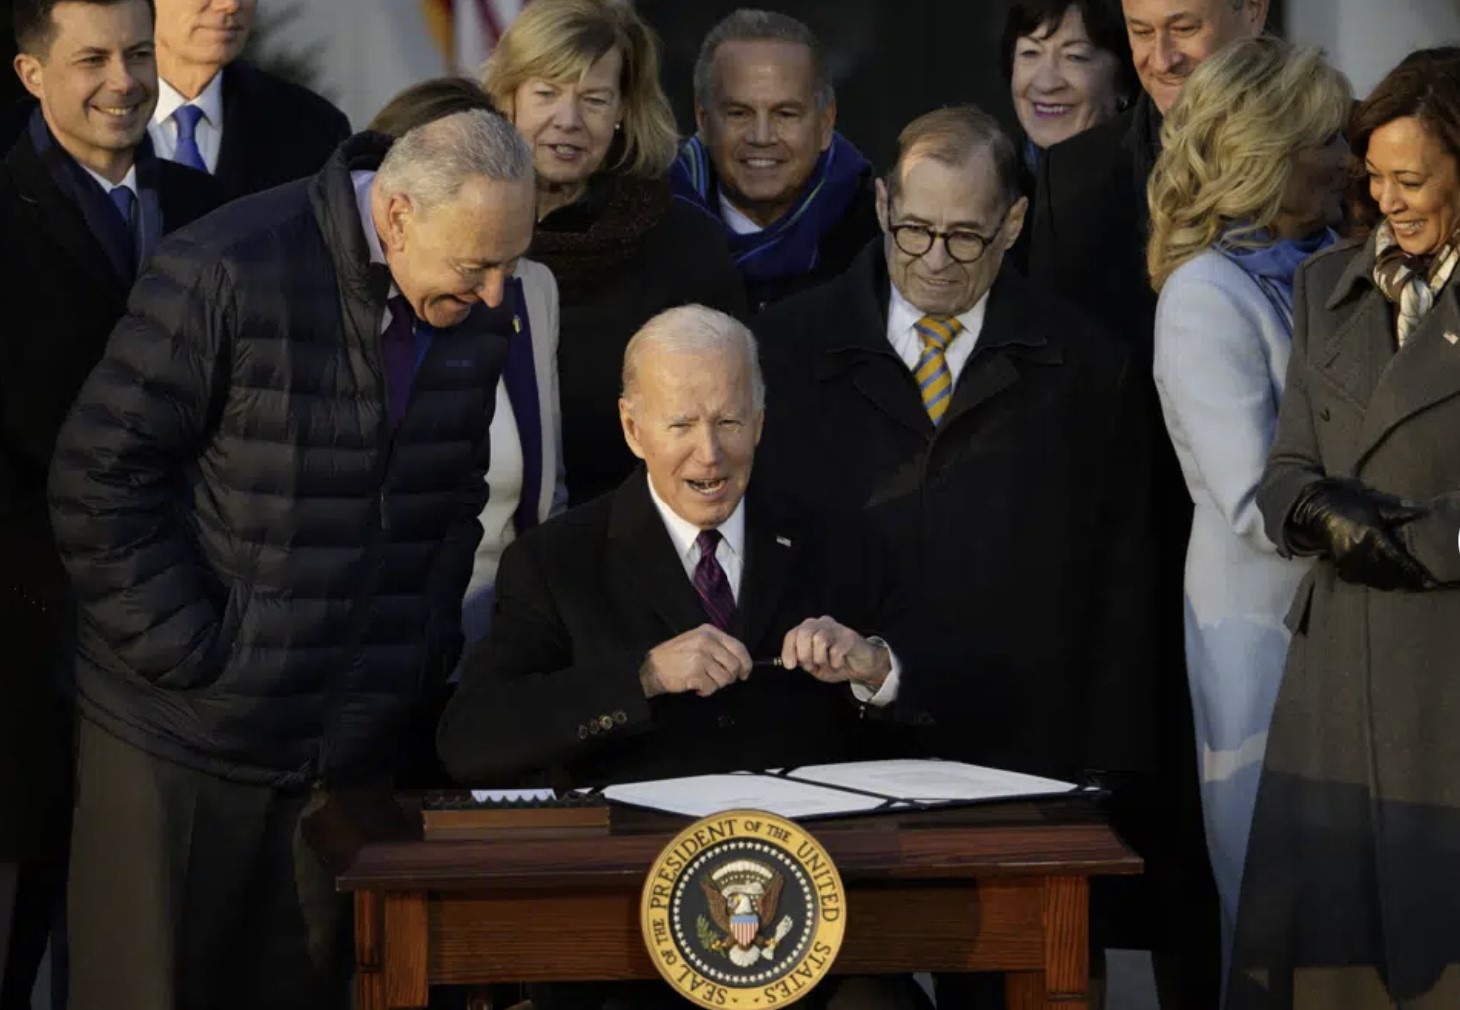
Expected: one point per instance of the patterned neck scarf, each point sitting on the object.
(1412, 282)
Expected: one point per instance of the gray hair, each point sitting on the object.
(751, 25)
(954, 135)
(430, 163)
(691, 329)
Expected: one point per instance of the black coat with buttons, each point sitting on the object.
(583, 598)
(1023, 518)
(61, 296)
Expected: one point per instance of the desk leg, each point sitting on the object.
(1064, 984)
(369, 964)
(406, 983)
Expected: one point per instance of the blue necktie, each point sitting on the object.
(125, 201)
(186, 117)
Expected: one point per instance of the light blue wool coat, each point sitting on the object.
(1221, 356)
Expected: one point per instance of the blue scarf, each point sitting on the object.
(1273, 266)
(791, 246)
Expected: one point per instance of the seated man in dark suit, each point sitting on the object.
(794, 196)
(80, 209)
(249, 128)
(632, 635)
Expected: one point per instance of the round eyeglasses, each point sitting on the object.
(962, 246)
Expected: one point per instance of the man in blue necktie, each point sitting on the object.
(80, 206)
(217, 114)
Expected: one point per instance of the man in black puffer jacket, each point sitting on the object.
(266, 497)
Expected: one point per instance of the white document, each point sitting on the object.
(932, 781)
(703, 795)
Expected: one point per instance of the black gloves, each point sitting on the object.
(1354, 525)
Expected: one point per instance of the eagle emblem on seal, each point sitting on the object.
(742, 896)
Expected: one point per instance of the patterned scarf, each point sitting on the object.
(1412, 282)
(791, 246)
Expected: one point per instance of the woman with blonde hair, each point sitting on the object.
(1250, 181)
(580, 80)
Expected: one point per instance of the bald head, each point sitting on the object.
(692, 409)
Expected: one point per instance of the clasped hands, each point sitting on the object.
(1357, 527)
(706, 659)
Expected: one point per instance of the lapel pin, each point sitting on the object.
(784, 541)
(1452, 338)
(516, 324)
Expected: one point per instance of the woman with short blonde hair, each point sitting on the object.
(580, 80)
(1249, 182)
(560, 41)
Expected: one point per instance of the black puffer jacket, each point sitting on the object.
(264, 573)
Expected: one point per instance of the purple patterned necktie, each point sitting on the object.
(399, 342)
(712, 585)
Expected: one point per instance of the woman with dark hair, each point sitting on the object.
(1068, 66)
(1351, 897)
(580, 79)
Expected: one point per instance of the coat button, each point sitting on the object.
(725, 722)
(606, 721)
(620, 717)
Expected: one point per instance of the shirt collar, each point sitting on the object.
(209, 100)
(129, 180)
(684, 534)
(736, 219)
(902, 315)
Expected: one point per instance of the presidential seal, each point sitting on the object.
(743, 909)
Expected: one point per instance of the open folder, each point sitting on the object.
(839, 790)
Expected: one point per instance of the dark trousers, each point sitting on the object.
(30, 900)
(190, 892)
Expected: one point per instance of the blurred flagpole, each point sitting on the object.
(466, 31)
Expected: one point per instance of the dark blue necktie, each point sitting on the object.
(399, 347)
(125, 201)
(186, 117)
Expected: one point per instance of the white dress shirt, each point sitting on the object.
(209, 134)
(730, 552)
(129, 180)
(731, 555)
(902, 318)
(735, 219)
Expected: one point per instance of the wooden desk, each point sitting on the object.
(979, 889)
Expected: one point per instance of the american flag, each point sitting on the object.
(468, 30)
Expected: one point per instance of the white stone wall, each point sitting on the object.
(1366, 38)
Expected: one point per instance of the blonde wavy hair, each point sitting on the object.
(1227, 146)
(558, 40)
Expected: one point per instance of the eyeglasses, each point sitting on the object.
(962, 246)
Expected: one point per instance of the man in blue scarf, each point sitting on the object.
(794, 196)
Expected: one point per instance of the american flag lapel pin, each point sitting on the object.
(1452, 338)
(784, 541)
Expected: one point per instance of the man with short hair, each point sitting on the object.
(1090, 226)
(794, 196)
(988, 433)
(221, 115)
(81, 207)
(635, 635)
(266, 497)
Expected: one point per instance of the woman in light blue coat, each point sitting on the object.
(1249, 183)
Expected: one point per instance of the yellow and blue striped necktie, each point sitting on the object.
(934, 379)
